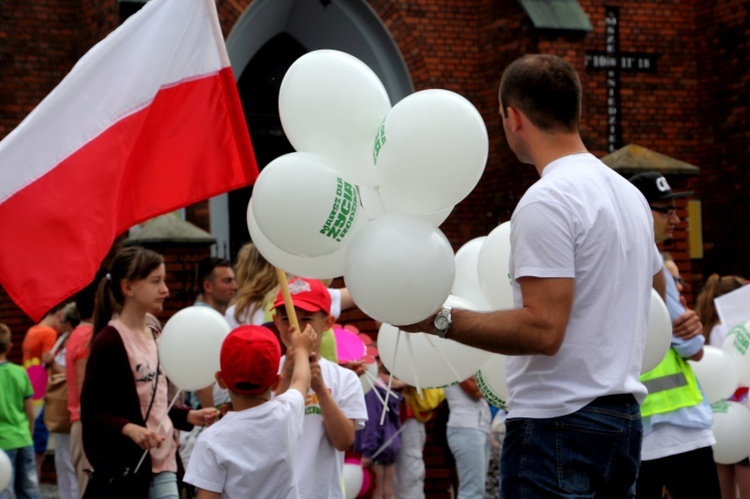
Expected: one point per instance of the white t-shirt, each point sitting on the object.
(584, 221)
(317, 463)
(671, 440)
(258, 317)
(466, 412)
(249, 453)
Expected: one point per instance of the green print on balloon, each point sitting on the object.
(741, 338)
(343, 211)
(379, 141)
(488, 393)
(720, 407)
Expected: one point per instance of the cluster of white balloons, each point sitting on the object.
(720, 373)
(482, 282)
(369, 184)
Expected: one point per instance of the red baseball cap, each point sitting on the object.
(249, 359)
(309, 295)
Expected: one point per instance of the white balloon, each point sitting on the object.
(494, 271)
(303, 206)
(466, 284)
(352, 476)
(316, 267)
(430, 151)
(331, 103)
(6, 470)
(732, 432)
(736, 344)
(374, 206)
(659, 335)
(431, 361)
(717, 374)
(491, 382)
(437, 218)
(190, 345)
(399, 269)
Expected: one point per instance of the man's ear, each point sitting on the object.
(220, 380)
(515, 118)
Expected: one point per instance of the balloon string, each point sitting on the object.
(388, 442)
(390, 380)
(442, 354)
(372, 387)
(375, 381)
(288, 304)
(158, 428)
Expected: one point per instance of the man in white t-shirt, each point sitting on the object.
(583, 261)
(335, 405)
(248, 453)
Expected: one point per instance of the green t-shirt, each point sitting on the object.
(16, 388)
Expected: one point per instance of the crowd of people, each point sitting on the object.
(582, 419)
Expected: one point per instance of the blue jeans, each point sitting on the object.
(41, 434)
(594, 452)
(23, 479)
(471, 451)
(164, 486)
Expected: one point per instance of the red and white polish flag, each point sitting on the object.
(148, 121)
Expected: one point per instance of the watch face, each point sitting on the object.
(441, 323)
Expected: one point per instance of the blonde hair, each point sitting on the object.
(256, 281)
(704, 305)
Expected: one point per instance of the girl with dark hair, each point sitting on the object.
(124, 398)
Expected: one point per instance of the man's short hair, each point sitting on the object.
(546, 88)
(71, 315)
(56, 308)
(4, 338)
(205, 270)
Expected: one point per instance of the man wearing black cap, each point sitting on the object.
(677, 420)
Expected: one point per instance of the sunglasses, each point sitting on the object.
(665, 210)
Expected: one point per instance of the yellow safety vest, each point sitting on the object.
(671, 385)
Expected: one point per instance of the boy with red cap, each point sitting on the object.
(334, 407)
(248, 453)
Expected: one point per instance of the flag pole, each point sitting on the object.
(290, 312)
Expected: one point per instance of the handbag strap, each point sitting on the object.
(59, 344)
(156, 380)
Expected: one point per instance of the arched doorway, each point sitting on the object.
(268, 37)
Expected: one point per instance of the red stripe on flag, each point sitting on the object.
(191, 143)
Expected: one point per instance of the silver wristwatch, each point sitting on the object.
(443, 322)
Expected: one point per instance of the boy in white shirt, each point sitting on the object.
(248, 453)
(334, 407)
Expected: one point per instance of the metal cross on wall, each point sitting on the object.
(615, 62)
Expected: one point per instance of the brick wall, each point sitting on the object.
(723, 136)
